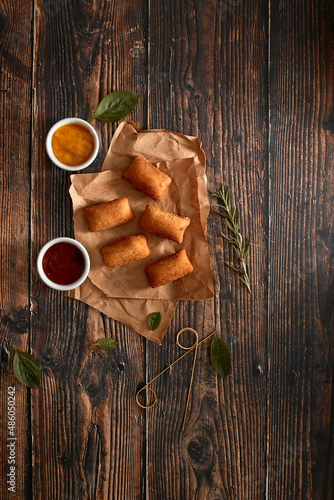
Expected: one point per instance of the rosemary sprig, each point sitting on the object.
(232, 218)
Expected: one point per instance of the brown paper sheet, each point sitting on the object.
(130, 312)
(130, 281)
(105, 289)
(157, 145)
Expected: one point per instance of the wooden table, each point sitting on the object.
(254, 81)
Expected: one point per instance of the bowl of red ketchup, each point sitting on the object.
(63, 263)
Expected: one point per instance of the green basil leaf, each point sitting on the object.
(154, 320)
(116, 106)
(220, 356)
(106, 344)
(26, 369)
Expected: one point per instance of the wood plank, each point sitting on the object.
(201, 69)
(15, 99)
(210, 73)
(300, 459)
(87, 430)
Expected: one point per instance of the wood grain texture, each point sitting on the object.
(15, 89)
(301, 223)
(87, 431)
(254, 81)
(215, 60)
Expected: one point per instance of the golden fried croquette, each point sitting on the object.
(163, 224)
(147, 178)
(168, 269)
(108, 214)
(125, 250)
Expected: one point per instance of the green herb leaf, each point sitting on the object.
(154, 320)
(106, 344)
(232, 218)
(26, 369)
(116, 106)
(220, 356)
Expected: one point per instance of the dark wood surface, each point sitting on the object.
(254, 81)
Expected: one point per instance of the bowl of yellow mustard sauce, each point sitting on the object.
(72, 144)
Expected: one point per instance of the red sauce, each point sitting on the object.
(63, 263)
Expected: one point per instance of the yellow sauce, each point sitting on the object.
(72, 144)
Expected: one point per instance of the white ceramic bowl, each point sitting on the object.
(55, 160)
(50, 283)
